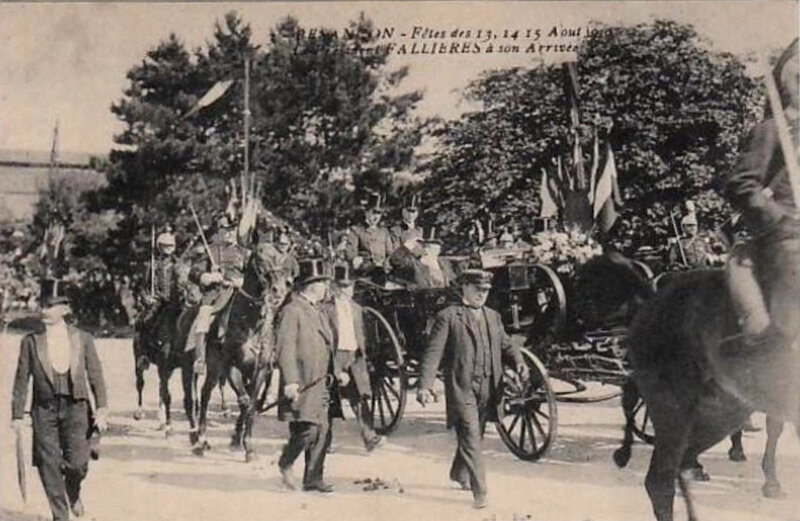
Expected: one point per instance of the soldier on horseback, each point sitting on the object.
(160, 295)
(763, 275)
(218, 276)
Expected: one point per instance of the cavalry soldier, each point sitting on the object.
(218, 277)
(369, 246)
(696, 251)
(469, 341)
(285, 258)
(760, 187)
(162, 305)
(347, 325)
(408, 226)
(304, 345)
(66, 372)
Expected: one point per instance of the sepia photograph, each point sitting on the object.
(400, 261)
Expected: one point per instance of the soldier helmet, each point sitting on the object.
(165, 239)
(689, 219)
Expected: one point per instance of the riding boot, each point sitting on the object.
(200, 354)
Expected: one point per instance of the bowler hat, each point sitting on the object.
(480, 278)
(341, 274)
(312, 270)
(53, 292)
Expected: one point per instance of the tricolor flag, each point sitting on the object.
(595, 167)
(548, 199)
(213, 94)
(607, 194)
(572, 91)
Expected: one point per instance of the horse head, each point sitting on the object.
(272, 276)
(608, 288)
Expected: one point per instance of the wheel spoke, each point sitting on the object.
(538, 426)
(388, 402)
(380, 408)
(391, 388)
(542, 414)
(529, 427)
(513, 423)
(522, 436)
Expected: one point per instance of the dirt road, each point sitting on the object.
(145, 477)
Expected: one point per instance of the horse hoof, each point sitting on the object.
(193, 437)
(772, 491)
(198, 451)
(249, 456)
(206, 445)
(697, 474)
(736, 455)
(235, 445)
(138, 414)
(621, 457)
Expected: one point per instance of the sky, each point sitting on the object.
(68, 61)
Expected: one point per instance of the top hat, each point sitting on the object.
(481, 278)
(373, 202)
(412, 204)
(312, 270)
(341, 274)
(53, 292)
(429, 236)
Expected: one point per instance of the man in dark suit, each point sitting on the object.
(469, 341)
(64, 366)
(304, 344)
(347, 325)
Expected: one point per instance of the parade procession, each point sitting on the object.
(552, 278)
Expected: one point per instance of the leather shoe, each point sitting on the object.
(480, 502)
(325, 488)
(77, 508)
(287, 478)
(374, 443)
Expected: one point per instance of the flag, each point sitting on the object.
(571, 91)
(549, 205)
(577, 164)
(606, 194)
(595, 167)
(213, 94)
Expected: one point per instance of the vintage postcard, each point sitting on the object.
(393, 261)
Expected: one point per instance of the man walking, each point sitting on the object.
(64, 366)
(469, 340)
(304, 356)
(347, 325)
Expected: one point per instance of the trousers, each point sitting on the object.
(468, 465)
(764, 284)
(312, 439)
(61, 450)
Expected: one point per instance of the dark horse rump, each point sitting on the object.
(698, 385)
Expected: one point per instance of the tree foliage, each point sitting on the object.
(326, 122)
(673, 109)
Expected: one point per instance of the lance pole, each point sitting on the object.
(246, 173)
(152, 260)
(202, 236)
(789, 153)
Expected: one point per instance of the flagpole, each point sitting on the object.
(246, 175)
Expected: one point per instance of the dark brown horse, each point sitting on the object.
(245, 353)
(700, 382)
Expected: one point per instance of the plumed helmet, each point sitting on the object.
(165, 239)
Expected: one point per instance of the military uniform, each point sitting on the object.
(400, 233)
(373, 243)
(696, 250)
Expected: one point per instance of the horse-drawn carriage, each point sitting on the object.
(541, 310)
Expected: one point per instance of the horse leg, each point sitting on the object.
(139, 369)
(630, 396)
(260, 380)
(736, 452)
(236, 380)
(772, 487)
(206, 388)
(226, 413)
(673, 426)
(165, 399)
(188, 384)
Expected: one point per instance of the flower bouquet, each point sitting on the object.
(563, 250)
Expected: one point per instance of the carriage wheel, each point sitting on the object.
(386, 372)
(530, 417)
(549, 300)
(642, 426)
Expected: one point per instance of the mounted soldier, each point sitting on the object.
(408, 226)
(160, 294)
(690, 250)
(762, 274)
(370, 245)
(218, 277)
